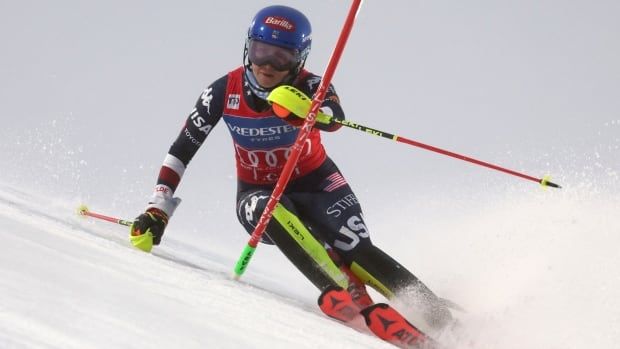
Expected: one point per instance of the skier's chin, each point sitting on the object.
(268, 77)
(267, 80)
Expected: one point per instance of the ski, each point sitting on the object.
(381, 319)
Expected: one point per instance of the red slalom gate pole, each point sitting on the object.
(304, 131)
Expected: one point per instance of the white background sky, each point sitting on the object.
(93, 93)
(524, 84)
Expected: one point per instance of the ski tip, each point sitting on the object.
(546, 182)
(82, 210)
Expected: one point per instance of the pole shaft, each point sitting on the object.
(107, 218)
(465, 158)
(397, 138)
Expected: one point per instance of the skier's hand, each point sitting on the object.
(148, 228)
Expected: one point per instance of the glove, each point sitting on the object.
(148, 228)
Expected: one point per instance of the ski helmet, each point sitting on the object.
(278, 35)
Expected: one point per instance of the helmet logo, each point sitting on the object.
(279, 23)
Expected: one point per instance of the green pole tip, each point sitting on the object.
(244, 260)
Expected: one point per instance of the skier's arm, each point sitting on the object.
(331, 105)
(148, 228)
(205, 115)
(201, 120)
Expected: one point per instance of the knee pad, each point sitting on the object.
(249, 209)
(251, 206)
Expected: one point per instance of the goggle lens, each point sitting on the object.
(280, 58)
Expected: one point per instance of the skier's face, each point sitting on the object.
(267, 76)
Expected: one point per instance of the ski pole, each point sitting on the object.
(288, 99)
(542, 181)
(304, 131)
(84, 211)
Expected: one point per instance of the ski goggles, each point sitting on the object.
(280, 58)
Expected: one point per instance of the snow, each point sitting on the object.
(537, 271)
(70, 283)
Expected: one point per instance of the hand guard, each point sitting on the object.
(292, 105)
(148, 228)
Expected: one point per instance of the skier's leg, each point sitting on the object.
(290, 235)
(336, 216)
(357, 288)
(379, 270)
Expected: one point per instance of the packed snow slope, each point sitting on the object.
(92, 94)
(66, 283)
(536, 270)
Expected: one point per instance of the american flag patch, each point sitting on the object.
(335, 181)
